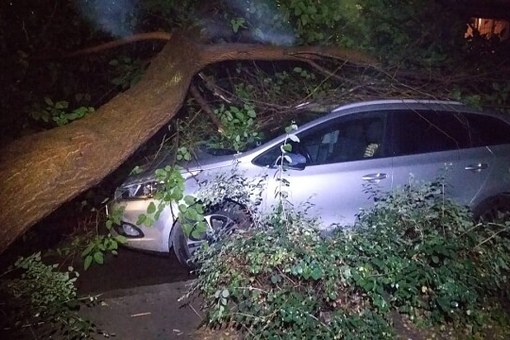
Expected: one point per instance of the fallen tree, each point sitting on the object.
(42, 171)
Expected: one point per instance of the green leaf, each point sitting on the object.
(141, 219)
(99, 257)
(317, 273)
(160, 174)
(87, 262)
(275, 279)
(113, 245)
(189, 200)
(148, 221)
(136, 170)
(60, 105)
(287, 147)
(197, 234)
(121, 239)
(109, 224)
(89, 248)
(239, 115)
(71, 116)
(151, 208)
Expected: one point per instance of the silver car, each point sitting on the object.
(382, 142)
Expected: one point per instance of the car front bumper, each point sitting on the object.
(154, 238)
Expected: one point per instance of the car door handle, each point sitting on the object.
(374, 178)
(477, 167)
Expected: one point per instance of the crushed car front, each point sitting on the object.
(138, 191)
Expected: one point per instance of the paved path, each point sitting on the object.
(139, 295)
(148, 313)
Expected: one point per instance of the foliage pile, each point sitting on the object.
(415, 253)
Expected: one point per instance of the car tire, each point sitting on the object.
(230, 215)
(493, 210)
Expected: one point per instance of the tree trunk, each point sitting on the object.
(40, 172)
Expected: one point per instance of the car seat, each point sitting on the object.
(373, 140)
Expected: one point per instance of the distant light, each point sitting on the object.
(488, 28)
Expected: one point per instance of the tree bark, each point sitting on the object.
(40, 172)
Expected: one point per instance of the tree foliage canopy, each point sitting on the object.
(415, 35)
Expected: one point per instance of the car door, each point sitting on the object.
(430, 145)
(345, 158)
(488, 159)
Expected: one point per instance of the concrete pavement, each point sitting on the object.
(148, 312)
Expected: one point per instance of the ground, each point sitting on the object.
(139, 296)
(140, 293)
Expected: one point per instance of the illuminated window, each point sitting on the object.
(488, 28)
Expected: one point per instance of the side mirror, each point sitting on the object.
(294, 161)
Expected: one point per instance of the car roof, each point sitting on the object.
(411, 104)
(399, 103)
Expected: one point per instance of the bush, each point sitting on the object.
(425, 256)
(43, 299)
(414, 252)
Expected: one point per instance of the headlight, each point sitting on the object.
(141, 190)
(146, 189)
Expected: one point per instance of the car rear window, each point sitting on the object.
(490, 130)
(430, 131)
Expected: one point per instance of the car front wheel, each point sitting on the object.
(220, 222)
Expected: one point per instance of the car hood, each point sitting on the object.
(201, 161)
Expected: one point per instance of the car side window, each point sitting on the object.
(340, 140)
(490, 130)
(430, 131)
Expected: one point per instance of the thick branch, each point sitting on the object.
(41, 171)
(117, 43)
(216, 53)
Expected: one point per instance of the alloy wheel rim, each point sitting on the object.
(218, 226)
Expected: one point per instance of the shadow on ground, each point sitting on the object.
(130, 269)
